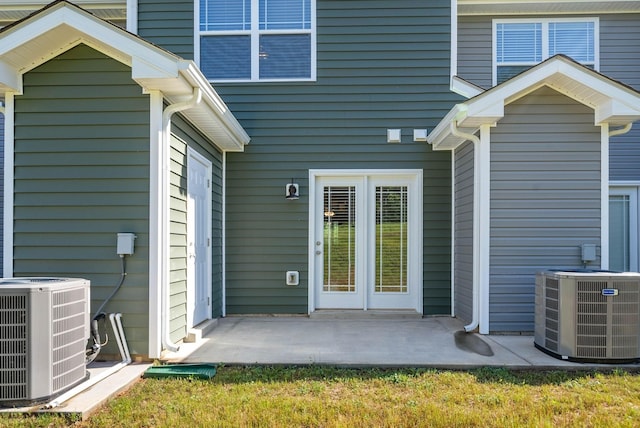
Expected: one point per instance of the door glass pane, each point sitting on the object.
(391, 239)
(619, 245)
(339, 239)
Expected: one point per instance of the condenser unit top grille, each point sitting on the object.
(32, 282)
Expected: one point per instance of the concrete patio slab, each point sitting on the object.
(365, 342)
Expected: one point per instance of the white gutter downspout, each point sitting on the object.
(621, 131)
(165, 288)
(476, 224)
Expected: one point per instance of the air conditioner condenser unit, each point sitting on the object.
(44, 328)
(588, 316)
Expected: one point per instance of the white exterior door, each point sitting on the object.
(198, 238)
(366, 240)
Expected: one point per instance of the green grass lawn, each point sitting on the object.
(319, 396)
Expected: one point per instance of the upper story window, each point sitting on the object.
(520, 44)
(257, 40)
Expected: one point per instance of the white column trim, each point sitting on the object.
(484, 211)
(604, 196)
(155, 223)
(132, 16)
(9, 146)
(224, 234)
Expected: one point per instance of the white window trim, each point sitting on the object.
(545, 39)
(255, 34)
(631, 189)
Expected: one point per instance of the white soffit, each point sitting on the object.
(110, 10)
(546, 7)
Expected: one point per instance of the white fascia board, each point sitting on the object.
(237, 136)
(10, 79)
(528, 7)
(483, 112)
(442, 129)
(616, 113)
(464, 88)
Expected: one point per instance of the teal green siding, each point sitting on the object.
(178, 240)
(168, 24)
(185, 135)
(380, 65)
(82, 176)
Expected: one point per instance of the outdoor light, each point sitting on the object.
(292, 191)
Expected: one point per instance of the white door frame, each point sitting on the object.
(415, 208)
(194, 158)
(632, 190)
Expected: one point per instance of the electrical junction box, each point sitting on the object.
(125, 244)
(293, 277)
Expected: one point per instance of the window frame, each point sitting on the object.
(254, 33)
(632, 192)
(545, 40)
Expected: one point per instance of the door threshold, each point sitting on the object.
(359, 314)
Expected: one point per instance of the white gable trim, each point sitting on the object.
(613, 103)
(62, 25)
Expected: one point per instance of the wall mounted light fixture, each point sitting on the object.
(292, 191)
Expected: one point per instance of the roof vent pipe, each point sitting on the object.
(165, 291)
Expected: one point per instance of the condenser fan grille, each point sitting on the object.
(13, 347)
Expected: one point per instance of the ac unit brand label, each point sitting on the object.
(609, 291)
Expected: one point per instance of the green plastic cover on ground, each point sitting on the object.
(198, 371)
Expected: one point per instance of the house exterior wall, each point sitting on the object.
(619, 60)
(82, 176)
(379, 67)
(463, 231)
(545, 199)
(185, 136)
(168, 24)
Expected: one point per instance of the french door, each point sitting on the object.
(367, 240)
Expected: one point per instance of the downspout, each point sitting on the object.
(475, 316)
(165, 288)
(621, 131)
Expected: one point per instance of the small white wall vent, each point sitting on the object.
(588, 316)
(44, 328)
